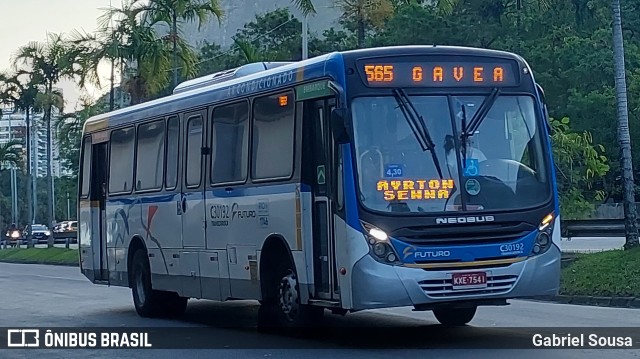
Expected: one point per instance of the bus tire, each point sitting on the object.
(147, 301)
(173, 304)
(455, 316)
(282, 308)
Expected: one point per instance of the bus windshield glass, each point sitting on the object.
(501, 166)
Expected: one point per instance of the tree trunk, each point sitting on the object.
(29, 180)
(360, 32)
(174, 38)
(631, 224)
(50, 213)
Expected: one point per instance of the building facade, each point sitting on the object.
(13, 126)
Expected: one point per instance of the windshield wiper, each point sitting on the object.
(478, 117)
(416, 123)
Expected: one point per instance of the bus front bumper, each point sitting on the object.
(377, 285)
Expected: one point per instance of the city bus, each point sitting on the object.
(417, 176)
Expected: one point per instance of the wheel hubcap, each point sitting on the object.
(288, 296)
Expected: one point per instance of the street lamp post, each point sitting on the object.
(14, 199)
(305, 37)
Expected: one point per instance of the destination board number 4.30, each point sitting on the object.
(434, 74)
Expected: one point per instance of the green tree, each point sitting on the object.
(21, 92)
(10, 154)
(145, 56)
(69, 127)
(48, 63)
(275, 35)
(578, 164)
(173, 12)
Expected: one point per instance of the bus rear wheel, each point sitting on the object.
(282, 308)
(455, 316)
(150, 303)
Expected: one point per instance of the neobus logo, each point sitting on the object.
(457, 220)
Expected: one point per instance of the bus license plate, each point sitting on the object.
(469, 280)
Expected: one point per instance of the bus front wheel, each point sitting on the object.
(147, 301)
(454, 316)
(282, 307)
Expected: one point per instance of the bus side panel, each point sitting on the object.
(240, 225)
(122, 220)
(161, 227)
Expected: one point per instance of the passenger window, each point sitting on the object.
(86, 166)
(173, 143)
(273, 133)
(230, 145)
(121, 156)
(150, 156)
(194, 148)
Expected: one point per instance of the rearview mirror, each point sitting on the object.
(339, 124)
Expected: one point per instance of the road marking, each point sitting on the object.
(53, 277)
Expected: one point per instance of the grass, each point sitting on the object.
(60, 256)
(605, 274)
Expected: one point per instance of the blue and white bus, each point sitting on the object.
(400, 176)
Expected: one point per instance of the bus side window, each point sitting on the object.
(121, 160)
(150, 156)
(230, 147)
(86, 167)
(173, 141)
(194, 151)
(273, 136)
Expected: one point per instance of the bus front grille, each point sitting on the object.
(443, 288)
(464, 235)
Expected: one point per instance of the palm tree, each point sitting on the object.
(23, 97)
(11, 154)
(48, 63)
(251, 53)
(624, 138)
(69, 127)
(172, 12)
(143, 52)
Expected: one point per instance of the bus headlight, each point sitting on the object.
(543, 239)
(379, 245)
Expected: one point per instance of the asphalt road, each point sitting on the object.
(51, 296)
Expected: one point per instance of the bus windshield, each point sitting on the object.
(501, 166)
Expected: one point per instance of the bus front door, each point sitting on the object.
(320, 170)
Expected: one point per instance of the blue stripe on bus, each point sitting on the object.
(217, 192)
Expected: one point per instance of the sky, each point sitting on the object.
(31, 20)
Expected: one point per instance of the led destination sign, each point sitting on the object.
(440, 74)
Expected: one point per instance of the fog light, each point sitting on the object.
(543, 239)
(379, 249)
(536, 249)
(391, 257)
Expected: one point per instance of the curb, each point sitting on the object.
(41, 263)
(613, 302)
